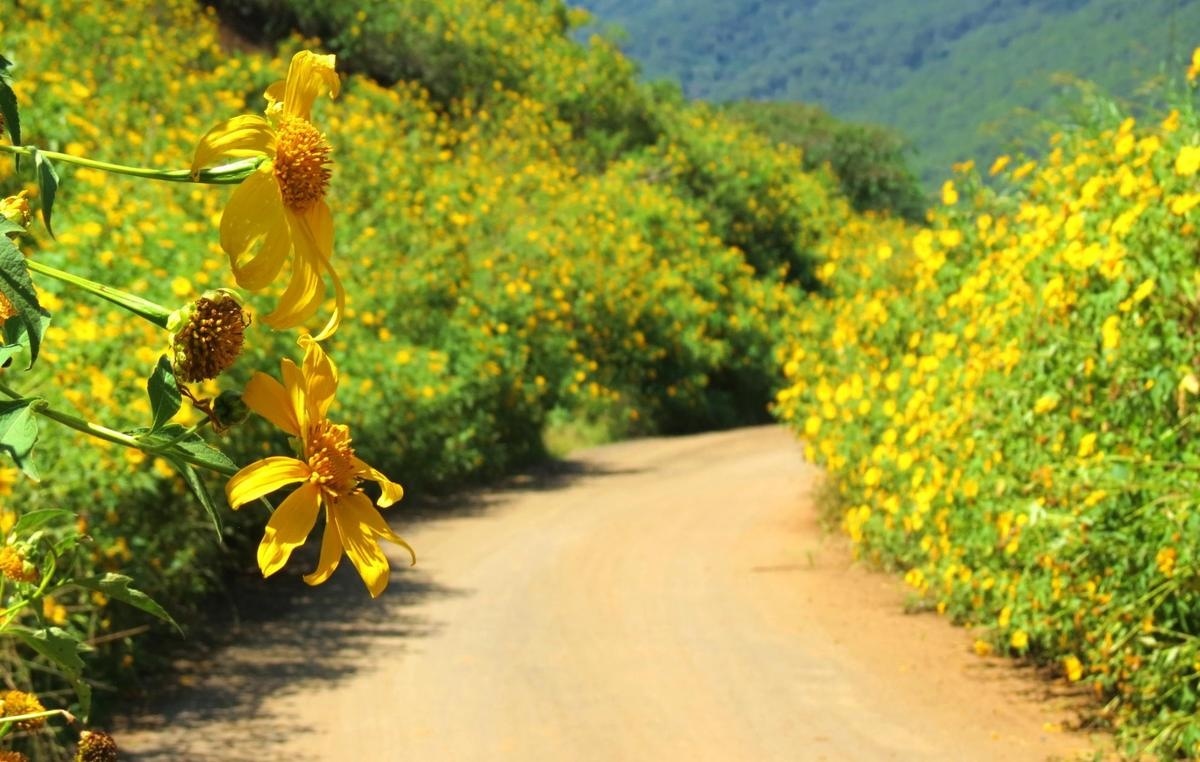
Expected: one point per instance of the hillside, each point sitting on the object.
(959, 77)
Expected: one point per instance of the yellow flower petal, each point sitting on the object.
(267, 397)
(320, 375)
(339, 306)
(294, 386)
(361, 527)
(263, 478)
(392, 492)
(288, 528)
(274, 95)
(255, 217)
(319, 248)
(331, 554)
(238, 138)
(309, 76)
(306, 289)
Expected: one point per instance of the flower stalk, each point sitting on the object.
(144, 308)
(227, 174)
(43, 408)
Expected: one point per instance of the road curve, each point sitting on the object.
(662, 599)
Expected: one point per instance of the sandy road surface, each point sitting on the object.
(666, 599)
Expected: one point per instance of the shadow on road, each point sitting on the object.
(280, 637)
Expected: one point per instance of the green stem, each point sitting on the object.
(35, 715)
(41, 407)
(155, 313)
(226, 174)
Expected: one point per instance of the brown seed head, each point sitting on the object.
(96, 746)
(211, 339)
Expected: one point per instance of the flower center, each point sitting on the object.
(301, 162)
(331, 457)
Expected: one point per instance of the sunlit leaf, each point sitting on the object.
(165, 399)
(19, 433)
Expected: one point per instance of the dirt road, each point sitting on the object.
(666, 599)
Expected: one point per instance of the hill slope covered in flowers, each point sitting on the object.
(529, 240)
(1007, 404)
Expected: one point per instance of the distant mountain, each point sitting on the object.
(957, 76)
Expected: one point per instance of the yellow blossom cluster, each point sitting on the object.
(1005, 401)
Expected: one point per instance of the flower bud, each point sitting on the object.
(16, 209)
(14, 567)
(228, 409)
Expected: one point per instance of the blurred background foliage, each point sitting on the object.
(962, 79)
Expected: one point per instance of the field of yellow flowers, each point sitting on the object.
(1008, 403)
(531, 239)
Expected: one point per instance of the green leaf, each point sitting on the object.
(47, 187)
(39, 518)
(8, 107)
(195, 483)
(204, 453)
(8, 227)
(56, 644)
(8, 352)
(117, 586)
(175, 440)
(62, 648)
(165, 399)
(83, 691)
(19, 433)
(29, 324)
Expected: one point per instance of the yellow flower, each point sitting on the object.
(18, 703)
(1194, 68)
(328, 472)
(1073, 667)
(280, 209)
(1110, 333)
(949, 194)
(1188, 161)
(1182, 204)
(15, 209)
(1087, 445)
(1045, 403)
(1019, 640)
(1165, 561)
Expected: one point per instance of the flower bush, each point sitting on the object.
(1006, 401)
(515, 250)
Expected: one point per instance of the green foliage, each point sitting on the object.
(468, 50)
(870, 162)
(958, 78)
